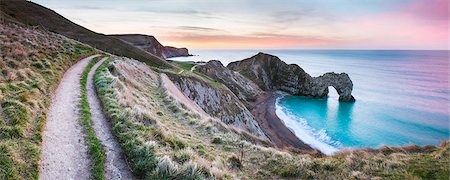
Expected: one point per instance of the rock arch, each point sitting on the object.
(341, 82)
(270, 73)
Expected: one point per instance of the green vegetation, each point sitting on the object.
(184, 65)
(96, 151)
(31, 64)
(141, 155)
(143, 138)
(217, 140)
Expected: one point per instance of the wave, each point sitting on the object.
(317, 139)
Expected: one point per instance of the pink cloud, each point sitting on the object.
(428, 9)
(258, 40)
(417, 25)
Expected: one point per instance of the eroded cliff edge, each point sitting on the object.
(270, 73)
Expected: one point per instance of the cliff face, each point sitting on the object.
(170, 51)
(270, 73)
(243, 88)
(218, 102)
(152, 45)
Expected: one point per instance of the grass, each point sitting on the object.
(31, 64)
(96, 151)
(140, 155)
(184, 65)
(149, 147)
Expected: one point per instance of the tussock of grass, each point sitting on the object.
(32, 62)
(96, 151)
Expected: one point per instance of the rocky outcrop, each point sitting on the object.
(152, 45)
(270, 73)
(243, 88)
(218, 101)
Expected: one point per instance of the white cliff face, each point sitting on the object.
(270, 73)
(218, 102)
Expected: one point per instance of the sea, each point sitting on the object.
(402, 97)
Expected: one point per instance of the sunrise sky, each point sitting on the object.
(282, 24)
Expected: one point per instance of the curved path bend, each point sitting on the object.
(115, 165)
(64, 151)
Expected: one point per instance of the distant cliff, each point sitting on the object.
(152, 45)
(270, 73)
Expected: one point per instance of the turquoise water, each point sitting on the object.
(402, 97)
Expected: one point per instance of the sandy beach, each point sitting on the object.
(273, 127)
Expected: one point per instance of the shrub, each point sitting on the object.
(217, 140)
(38, 64)
(235, 162)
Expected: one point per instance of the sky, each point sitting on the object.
(265, 24)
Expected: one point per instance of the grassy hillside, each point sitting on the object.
(33, 14)
(32, 61)
(163, 139)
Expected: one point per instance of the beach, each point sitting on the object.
(264, 112)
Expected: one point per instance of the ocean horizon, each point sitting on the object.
(402, 97)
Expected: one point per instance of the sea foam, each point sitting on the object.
(317, 139)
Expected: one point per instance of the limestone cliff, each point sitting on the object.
(152, 45)
(218, 101)
(270, 73)
(243, 88)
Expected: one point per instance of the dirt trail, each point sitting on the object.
(115, 165)
(64, 152)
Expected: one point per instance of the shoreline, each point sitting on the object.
(264, 112)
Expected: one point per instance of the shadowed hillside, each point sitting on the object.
(33, 14)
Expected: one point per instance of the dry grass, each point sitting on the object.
(181, 144)
(31, 63)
